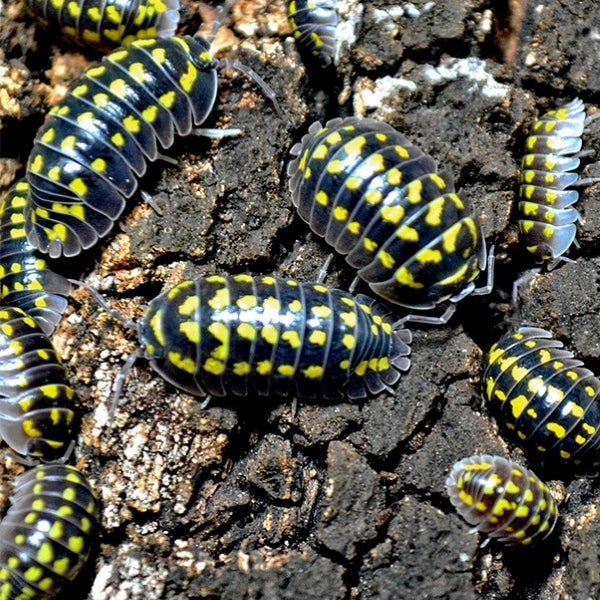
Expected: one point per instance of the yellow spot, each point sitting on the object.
(246, 302)
(588, 429)
(405, 277)
(188, 79)
(408, 234)
(292, 338)
(270, 334)
(79, 186)
(99, 165)
(191, 330)
(62, 565)
(335, 167)
(318, 338)
(150, 113)
(117, 55)
(132, 124)
(394, 176)
(54, 173)
(264, 367)
(119, 88)
(313, 372)
(322, 198)
(159, 55)
(221, 299)
(189, 306)
(518, 404)
(348, 341)
(369, 245)
(48, 136)
(335, 137)
(320, 152)
(36, 164)
(94, 13)
(76, 544)
(349, 319)
(167, 99)
(558, 430)
(392, 214)
(181, 362)
(138, 72)
(386, 259)
(240, 277)
(576, 410)
(450, 238)
(57, 530)
(246, 331)
(45, 553)
(354, 227)
(33, 573)
(376, 163)
(435, 210)
(466, 498)
(340, 213)
(286, 370)
(118, 140)
(429, 256)
(355, 146)
(214, 366)
(323, 312)
(373, 197)
(415, 191)
(241, 368)
(68, 143)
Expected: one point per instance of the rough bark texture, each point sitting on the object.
(247, 499)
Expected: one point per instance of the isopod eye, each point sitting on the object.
(502, 499)
(545, 399)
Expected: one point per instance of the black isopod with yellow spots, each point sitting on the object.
(106, 24)
(548, 170)
(47, 534)
(380, 202)
(26, 280)
(98, 140)
(503, 499)
(313, 24)
(36, 400)
(545, 398)
(244, 335)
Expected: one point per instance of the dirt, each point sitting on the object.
(251, 498)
